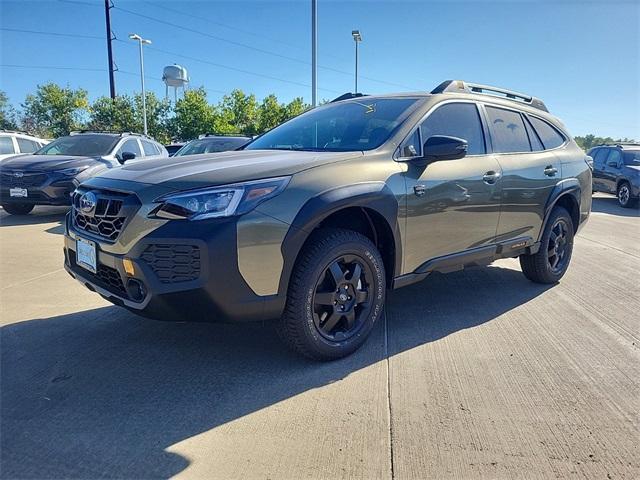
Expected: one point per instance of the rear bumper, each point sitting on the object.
(184, 279)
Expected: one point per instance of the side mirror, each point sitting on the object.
(127, 156)
(442, 147)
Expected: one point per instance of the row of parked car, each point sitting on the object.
(36, 171)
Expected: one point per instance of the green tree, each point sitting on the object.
(54, 111)
(193, 116)
(158, 111)
(270, 114)
(118, 115)
(294, 108)
(238, 113)
(7, 113)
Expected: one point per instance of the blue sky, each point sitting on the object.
(580, 57)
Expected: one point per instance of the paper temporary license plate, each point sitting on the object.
(86, 254)
(18, 192)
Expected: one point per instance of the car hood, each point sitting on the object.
(193, 171)
(40, 163)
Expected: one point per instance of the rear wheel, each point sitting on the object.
(624, 196)
(18, 208)
(336, 295)
(551, 261)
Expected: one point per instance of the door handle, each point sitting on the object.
(419, 190)
(550, 171)
(491, 177)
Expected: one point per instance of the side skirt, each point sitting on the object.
(469, 258)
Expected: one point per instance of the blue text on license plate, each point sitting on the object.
(86, 254)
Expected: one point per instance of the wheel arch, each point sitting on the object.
(567, 194)
(368, 208)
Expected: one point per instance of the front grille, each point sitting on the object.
(9, 179)
(109, 215)
(173, 263)
(111, 280)
(105, 277)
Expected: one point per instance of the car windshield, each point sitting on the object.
(80, 145)
(211, 145)
(362, 124)
(632, 157)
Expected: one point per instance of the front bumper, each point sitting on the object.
(189, 272)
(52, 190)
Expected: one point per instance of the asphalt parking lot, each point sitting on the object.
(475, 374)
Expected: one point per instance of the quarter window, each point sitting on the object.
(411, 146)
(27, 146)
(456, 120)
(508, 132)
(6, 145)
(536, 144)
(550, 137)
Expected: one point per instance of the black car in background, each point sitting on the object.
(172, 148)
(616, 170)
(213, 144)
(51, 174)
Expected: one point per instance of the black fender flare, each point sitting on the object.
(375, 196)
(569, 186)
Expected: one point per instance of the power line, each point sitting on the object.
(250, 47)
(227, 67)
(55, 34)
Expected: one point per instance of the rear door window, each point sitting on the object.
(508, 133)
(149, 148)
(550, 137)
(6, 146)
(599, 157)
(130, 146)
(27, 146)
(460, 120)
(613, 159)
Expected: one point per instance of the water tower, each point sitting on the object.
(175, 76)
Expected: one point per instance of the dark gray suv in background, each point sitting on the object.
(616, 170)
(313, 221)
(51, 174)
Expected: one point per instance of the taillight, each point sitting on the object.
(589, 161)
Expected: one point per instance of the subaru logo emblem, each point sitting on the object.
(88, 202)
(18, 174)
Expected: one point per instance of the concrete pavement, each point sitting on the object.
(475, 374)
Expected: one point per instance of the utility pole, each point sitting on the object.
(142, 41)
(357, 37)
(107, 16)
(314, 53)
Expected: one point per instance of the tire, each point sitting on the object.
(552, 260)
(323, 280)
(18, 208)
(625, 200)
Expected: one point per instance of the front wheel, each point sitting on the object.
(624, 196)
(551, 261)
(18, 208)
(336, 295)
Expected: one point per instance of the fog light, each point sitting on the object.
(128, 267)
(136, 290)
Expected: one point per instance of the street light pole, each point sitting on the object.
(314, 53)
(357, 39)
(141, 41)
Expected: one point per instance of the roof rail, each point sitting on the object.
(460, 86)
(347, 96)
(205, 135)
(619, 144)
(110, 132)
(16, 131)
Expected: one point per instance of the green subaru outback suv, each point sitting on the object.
(314, 221)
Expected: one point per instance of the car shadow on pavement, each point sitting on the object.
(104, 393)
(39, 216)
(610, 205)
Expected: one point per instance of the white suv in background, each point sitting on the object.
(14, 143)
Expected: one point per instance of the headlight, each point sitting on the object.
(224, 201)
(72, 172)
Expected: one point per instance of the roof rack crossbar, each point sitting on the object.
(467, 87)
